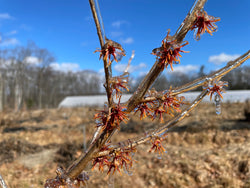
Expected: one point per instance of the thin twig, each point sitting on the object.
(149, 79)
(200, 81)
(75, 169)
(160, 131)
(100, 137)
(220, 73)
(107, 70)
(189, 20)
(129, 61)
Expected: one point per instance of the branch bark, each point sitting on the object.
(156, 70)
(74, 170)
(160, 131)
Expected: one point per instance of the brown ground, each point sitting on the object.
(205, 150)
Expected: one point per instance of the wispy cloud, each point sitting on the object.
(117, 24)
(128, 40)
(5, 16)
(9, 42)
(88, 18)
(183, 68)
(222, 58)
(116, 33)
(132, 68)
(13, 32)
(25, 27)
(142, 73)
(65, 67)
(84, 44)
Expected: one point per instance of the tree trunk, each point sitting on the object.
(18, 97)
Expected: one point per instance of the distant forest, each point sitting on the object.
(26, 83)
(238, 79)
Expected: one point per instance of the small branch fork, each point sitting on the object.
(201, 81)
(156, 70)
(102, 135)
(155, 133)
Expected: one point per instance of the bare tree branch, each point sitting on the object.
(160, 131)
(156, 70)
(107, 70)
(103, 135)
(213, 76)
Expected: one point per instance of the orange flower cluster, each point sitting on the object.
(111, 49)
(157, 145)
(169, 52)
(216, 87)
(165, 104)
(204, 23)
(102, 161)
(172, 103)
(119, 160)
(119, 83)
(111, 120)
(144, 109)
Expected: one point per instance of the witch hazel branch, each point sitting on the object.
(145, 102)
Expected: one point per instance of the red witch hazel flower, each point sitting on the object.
(171, 103)
(102, 161)
(111, 119)
(157, 146)
(216, 87)
(169, 52)
(119, 83)
(204, 23)
(144, 109)
(121, 160)
(159, 112)
(102, 118)
(118, 115)
(111, 49)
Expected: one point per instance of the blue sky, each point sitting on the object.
(66, 28)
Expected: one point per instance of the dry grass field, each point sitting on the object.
(204, 150)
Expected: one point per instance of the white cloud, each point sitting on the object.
(101, 71)
(65, 67)
(128, 40)
(183, 68)
(25, 27)
(84, 44)
(9, 42)
(32, 60)
(117, 24)
(11, 33)
(132, 68)
(222, 58)
(143, 73)
(5, 16)
(116, 34)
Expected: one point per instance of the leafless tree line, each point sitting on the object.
(28, 81)
(238, 79)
